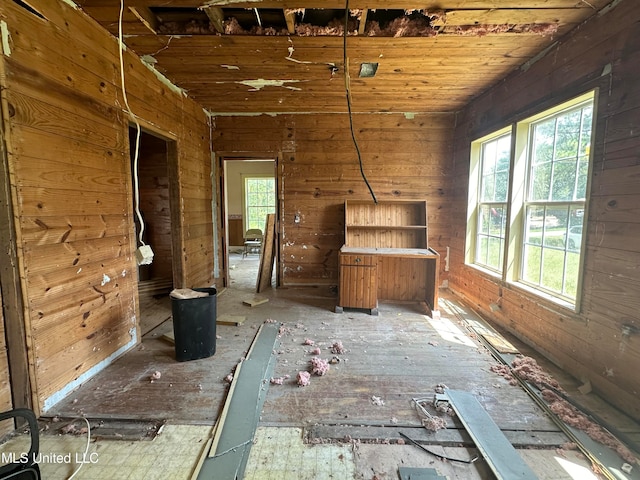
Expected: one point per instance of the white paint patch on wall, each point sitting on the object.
(260, 83)
(6, 38)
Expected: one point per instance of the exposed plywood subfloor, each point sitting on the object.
(396, 356)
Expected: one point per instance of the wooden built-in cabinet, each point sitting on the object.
(386, 255)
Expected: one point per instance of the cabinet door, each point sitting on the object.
(358, 281)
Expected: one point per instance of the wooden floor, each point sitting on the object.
(389, 359)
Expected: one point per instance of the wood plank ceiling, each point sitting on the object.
(279, 56)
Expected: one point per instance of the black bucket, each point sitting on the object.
(194, 325)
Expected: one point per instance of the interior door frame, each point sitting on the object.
(224, 157)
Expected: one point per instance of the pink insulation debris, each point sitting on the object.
(279, 380)
(229, 378)
(505, 372)
(543, 29)
(316, 351)
(319, 366)
(572, 416)
(303, 379)
(338, 348)
(308, 341)
(434, 423)
(528, 369)
(284, 331)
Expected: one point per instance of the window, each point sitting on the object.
(259, 200)
(492, 205)
(531, 195)
(557, 169)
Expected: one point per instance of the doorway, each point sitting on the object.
(250, 188)
(156, 165)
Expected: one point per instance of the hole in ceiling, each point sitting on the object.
(321, 22)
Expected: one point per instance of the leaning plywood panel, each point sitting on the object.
(70, 175)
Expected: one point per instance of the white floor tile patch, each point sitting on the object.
(279, 453)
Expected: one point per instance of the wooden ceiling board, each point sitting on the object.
(475, 45)
(359, 4)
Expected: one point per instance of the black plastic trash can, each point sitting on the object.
(194, 325)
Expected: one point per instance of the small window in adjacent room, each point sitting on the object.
(528, 192)
(259, 200)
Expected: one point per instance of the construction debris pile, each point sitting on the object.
(527, 369)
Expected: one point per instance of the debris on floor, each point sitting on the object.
(572, 416)
(319, 366)
(377, 401)
(254, 301)
(154, 376)
(308, 341)
(228, 319)
(303, 378)
(338, 348)
(279, 380)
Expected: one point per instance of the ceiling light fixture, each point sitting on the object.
(368, 69)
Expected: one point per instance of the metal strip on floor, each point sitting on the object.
(605, 459)
(230, 450)
(500, 455)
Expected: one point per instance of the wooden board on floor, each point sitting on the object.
(228, 319)
(255, 301)
(267, 255)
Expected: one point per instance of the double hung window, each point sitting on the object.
(527, 200)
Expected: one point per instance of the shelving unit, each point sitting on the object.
(401, 224)
(386, 255)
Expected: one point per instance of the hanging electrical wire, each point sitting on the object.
(145, 256)
(348, 93)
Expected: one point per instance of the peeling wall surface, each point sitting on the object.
(70, 178)
(600, 343)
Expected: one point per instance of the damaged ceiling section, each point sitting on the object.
(308, 22)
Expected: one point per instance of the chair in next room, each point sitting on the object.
(252, 241)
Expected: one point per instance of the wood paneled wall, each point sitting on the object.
(604, 53)
(5, 388)
(404, 157)
(71, 183)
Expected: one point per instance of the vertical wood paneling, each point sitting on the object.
(403, 158)
(590, 344)
(70, 175)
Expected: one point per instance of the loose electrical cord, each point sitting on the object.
(347, 87)
(86, 450)
(136, 187)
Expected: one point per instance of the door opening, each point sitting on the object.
(156, 160)
(250, 194)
